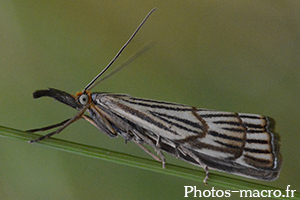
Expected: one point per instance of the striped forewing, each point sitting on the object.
(239, 140)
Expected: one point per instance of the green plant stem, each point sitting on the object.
(151, 165)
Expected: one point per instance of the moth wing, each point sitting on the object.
(242, 144)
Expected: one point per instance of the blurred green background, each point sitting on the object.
(240, 56)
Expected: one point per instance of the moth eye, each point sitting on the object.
(83, 99)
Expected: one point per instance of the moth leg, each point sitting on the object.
(177, 149)
(158, 150)
(89, 119)
(63, 125)
(147, 151)
(111, 131)
(158, 141)
(70, 121)
(206, 175)
(162, 156)
(154, 146)
(192, 155)
(48, 127)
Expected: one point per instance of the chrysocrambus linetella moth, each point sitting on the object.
(236, 143)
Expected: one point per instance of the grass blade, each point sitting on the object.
(133, 161)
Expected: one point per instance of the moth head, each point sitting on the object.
(83, 98)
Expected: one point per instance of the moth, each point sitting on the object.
(236, 143)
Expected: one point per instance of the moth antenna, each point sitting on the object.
(125, 63)
(119, 52)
